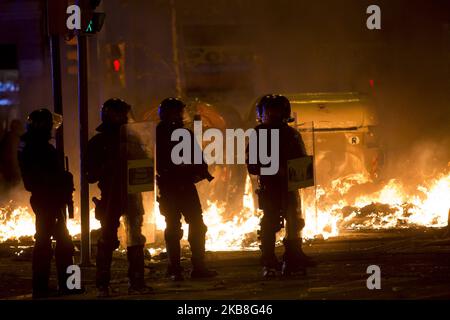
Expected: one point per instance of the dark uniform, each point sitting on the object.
(105, 165)
(51, 188)
(277, 203)
(178, 196)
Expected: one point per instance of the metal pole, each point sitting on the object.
(83, 123)
(176, 59)
(57, 93)
(314, 172)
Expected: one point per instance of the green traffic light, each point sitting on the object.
(96, 23)
(89, 28)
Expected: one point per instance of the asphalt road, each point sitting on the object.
(414, 264)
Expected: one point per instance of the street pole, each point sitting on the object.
(84, 128)
(55, 13)
(57, 93)
(175, 53)
(315, 175)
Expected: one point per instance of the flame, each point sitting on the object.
(328, 211)
(428, 206)
(15, 222)
(236, 234)
(222, 235)
(390, 207)
(18, 222)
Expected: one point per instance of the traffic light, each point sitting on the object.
(96, 23)
(115, 64)
(91, 21)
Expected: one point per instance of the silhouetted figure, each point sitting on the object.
(104, 165)
(277, 203)
(178, 194)
(50, 186)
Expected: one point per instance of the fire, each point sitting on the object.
(392, 206)
(236, 234)
(18, 222)
(15, 222)
(327, 211)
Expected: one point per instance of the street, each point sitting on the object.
(414, 264)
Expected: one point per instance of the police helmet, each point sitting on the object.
(43, 120)
(114, 106)
(275, 101)
(283, 103)
(170, 104)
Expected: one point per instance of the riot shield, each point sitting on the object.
(300, 173)
(138, 141)
(306, 181)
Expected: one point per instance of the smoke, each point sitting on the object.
(17, 195)
(285, 46)
(306, 46)
(414, 95)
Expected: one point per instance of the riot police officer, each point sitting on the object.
(51, 188)
(104, 165)
(277, 203)
(178, 194)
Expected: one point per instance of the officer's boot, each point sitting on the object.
(42, 256)
(135, 255)
(269, 260)
(294, 259)
(197, 240)
(174, 269)
(103, 274)
(299, 255)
